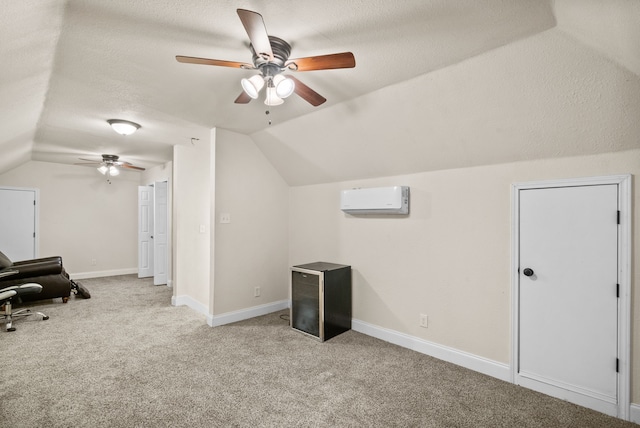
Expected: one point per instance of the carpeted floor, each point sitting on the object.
(126, 358)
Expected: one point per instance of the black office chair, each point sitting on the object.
(15, 292)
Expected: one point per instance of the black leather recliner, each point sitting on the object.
(47, 272)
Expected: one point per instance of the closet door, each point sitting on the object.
(145, 231)
(18, 223)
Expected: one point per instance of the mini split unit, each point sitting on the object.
(379, 200)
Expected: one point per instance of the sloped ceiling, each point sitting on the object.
(438, 84)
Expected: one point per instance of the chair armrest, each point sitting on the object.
(4, 295)
(4, 273)
(56, 259)
(34, 270)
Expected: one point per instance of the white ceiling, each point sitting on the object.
(437, 83)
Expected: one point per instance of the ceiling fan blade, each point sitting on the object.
(218, 62)
(243, 98)
(90, 160)
(88, 163)
(322, 62)
(308, 94)
(257, 32)
(131, 167)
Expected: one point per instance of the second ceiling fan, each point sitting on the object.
(271, 59)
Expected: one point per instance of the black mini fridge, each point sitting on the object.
(321, 299)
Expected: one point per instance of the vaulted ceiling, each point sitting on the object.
(437, 84)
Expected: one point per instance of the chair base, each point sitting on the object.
(9, 315)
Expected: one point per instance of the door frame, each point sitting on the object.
(624, 275)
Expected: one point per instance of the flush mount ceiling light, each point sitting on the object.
(123, 127)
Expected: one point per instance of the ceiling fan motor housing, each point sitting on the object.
(281, 51)
(110, 158)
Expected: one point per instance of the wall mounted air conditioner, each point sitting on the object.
(378, 200)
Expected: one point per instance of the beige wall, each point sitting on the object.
(82, 217)
(252, 250)
(218, 265)
(192, 205)
(450, 258)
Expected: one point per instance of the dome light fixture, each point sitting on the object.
(123, 127)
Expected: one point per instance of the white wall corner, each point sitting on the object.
(634, 414)
(245, 314)
(464, 359)
(190, 302)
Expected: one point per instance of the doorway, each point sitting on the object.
(571, 291)
(153, 232)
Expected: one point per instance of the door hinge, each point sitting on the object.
(618, 216)
(34, 234)
(617, 365)
(34, 202)
(618, 290)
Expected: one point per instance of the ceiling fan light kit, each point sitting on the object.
(270, 57)
(112, 170)
(123, 127)
(110, 165)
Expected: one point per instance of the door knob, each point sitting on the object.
(527, 272)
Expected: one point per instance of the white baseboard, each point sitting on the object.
(245, 314)
(473, 362)
(103, 273)
(634, 413)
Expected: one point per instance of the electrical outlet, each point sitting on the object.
(94, 262)
(424, 320)
(256, 292)
(225, 218)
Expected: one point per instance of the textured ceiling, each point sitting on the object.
(433, 80)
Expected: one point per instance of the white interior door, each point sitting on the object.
(145, 231)
(160, 239)
(568, 304)
(18, 223)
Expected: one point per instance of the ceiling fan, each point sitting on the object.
(271, 59)
(109, 165)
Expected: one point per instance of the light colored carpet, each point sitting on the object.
(126, 358)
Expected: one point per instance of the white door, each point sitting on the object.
(568, 304)
(145, 231)
(18, 223)
(160, 239)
